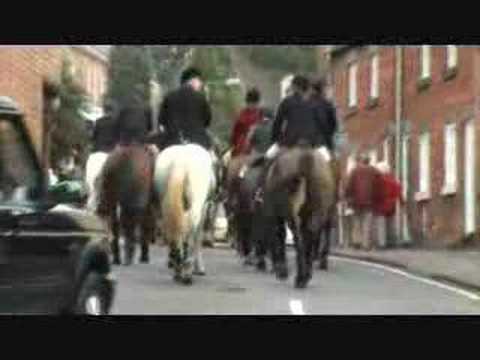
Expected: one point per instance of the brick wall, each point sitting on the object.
(367, 127)
(22, 71)
(454, 100)
(431, 109)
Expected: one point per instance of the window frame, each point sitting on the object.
(352, 89)
(375, 75)
(424, 77)
(450, 155)
(424, 167)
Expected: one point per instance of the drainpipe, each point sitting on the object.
(398, 131)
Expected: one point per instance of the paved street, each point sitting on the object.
(233, 289)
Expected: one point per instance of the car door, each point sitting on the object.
(34, 264)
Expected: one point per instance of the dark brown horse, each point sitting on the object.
(300, 188)
(127, 188)
(240, 206)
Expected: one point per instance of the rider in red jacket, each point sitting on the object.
(245, 122)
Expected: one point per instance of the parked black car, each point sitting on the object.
(53, 257)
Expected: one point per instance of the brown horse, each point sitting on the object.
(240, 189)
(300, 187)
(127, 186)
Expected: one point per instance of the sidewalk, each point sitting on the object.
(461, 267)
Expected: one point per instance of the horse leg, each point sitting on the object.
(129, 223)
(175, 261)
(199, 265)
(301, 250)
(325, 246)
(186, 265)
(311, 239)
(115, 232)
(279, 249)
(148, 235)
(258, 239)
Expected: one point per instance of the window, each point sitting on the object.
(405, 165)
(452, 56)
(374, 75)
(386, 151)
(352, 85)
(424, 170)
(20, 179)
(350, 164)
(450, 158)
(373, 157)
(425, 61)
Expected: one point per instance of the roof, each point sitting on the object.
(9, 106)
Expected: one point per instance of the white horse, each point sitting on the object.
(184, 180)
(93, 169)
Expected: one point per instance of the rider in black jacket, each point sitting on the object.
(185, 113)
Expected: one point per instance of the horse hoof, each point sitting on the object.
(323, 266)
(187, 280)
(282, 273)
(301, 283)
(144, 260)
(199, 273)
(261, 265)
(116, 262)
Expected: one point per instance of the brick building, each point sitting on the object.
(428, 96)
(24, 69)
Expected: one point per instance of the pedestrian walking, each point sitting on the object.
(388, 193)
(360, 196)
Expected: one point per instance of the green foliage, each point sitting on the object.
(168, 63)
(69, 127)
(283, 58)
(226, 101)
(129, 75)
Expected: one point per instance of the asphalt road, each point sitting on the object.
(230, 288)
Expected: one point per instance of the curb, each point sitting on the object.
(433, 276)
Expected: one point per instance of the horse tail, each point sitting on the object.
(176, 203)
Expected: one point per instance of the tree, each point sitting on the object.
(226, 101)
(129, 75)
(68, 129)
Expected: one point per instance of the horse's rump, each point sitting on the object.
(183, 180)
(299, 170)
(127, 178)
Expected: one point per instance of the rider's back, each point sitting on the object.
(186, 113)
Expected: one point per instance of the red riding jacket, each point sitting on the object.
(248, 118)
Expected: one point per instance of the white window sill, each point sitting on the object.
(422, 196)
(450, 189)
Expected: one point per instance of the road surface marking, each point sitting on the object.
(468, 294)
(296, 307)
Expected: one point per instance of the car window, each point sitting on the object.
(19, 177)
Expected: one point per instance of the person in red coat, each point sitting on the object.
(247, 119)
(388, 192)
(360, 194)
